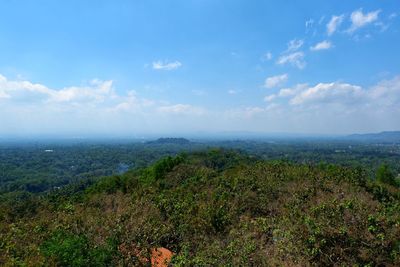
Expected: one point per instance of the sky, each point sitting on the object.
(128, 68)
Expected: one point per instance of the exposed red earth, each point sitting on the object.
(159, 257)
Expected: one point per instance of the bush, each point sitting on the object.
(74, 250)
(160, 168)
(385, 175)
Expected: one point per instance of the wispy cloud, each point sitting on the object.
(321, 20)
(289, 92)
(309, 24)
(233, 92)
(393, 15)
(334, 24)
(360, 19)
(161, 65)
(292, 55)
(295, 59)
(275, 81)
(266, 57)
(181, 109)
(324, 45)
(382, 26)
(294, 45)
(269, 98)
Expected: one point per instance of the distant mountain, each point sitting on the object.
(384, 137)
(168, 140)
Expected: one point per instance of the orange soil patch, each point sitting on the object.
(160, 257)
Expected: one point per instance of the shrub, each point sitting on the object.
(74, 250)
(385, 175)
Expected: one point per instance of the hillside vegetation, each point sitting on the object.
(213, 208)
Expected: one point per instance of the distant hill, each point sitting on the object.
(169, 140)
(384, 137)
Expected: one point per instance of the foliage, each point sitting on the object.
(42, 167)
(74, 250)
(38, 167)
(385, 175)
(215, 207)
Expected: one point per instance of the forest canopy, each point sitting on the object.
(211, 207)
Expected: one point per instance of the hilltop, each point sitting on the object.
(212, 208)
(384, 137)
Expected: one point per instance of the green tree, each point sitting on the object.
(385, 175)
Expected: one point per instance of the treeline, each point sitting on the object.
(40, 167)
(37, 168)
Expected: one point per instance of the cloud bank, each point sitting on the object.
(97, 107)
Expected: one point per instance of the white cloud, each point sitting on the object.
(324, 45)
(335, 107)
(25, 91)
(92, 107)
(181, 109)
(288, 92)
(329, 108)
(328, 92)
(96, 107)
(334, 24)
(97, 94)
(96, 91)
(393, 15)
(386, 93)
(251, 111)
(309, 23)
(244, 112)
(294, 45)
(269, 98)
(4, 95)
(292, 56)
(359, 19)
(131, 103)
(275, 81)
(267, 56)
(295, 59)
(285, 92)
(382, 25)
(233, 92)
(160, 65)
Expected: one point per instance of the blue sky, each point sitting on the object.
(137, 67)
